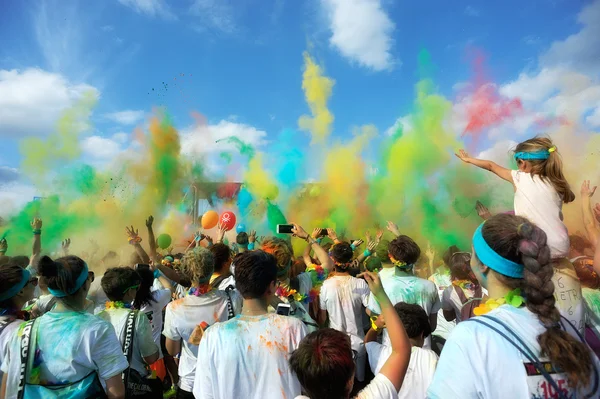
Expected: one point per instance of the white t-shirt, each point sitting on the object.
(418, 375)
(182, 317)
(379, 388)
(477, 362)
(444, 327)
(143, 343)
(247, 357)
(7, 334)
(227, 281)
(538, 201)
(154, 312)
(344, 298)
(403, 287)
(96, 294)
(71, 346)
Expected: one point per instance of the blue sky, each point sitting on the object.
(241, 61)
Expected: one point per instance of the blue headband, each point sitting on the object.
(15, 289)
(78, 283)
(491, 259)
(534, 156)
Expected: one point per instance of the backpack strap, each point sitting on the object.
(230, 313)
(4, 323)
(128, 343)
(26, 345)
(523, 348)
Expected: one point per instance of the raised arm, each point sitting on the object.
(395, 367)
(151, 238)
(333, 235)
(65, 244)
(320, 253)
(589, 221)
(36, 227)
(135, 240)
(393, 228)
(597, 258)
(493, 167)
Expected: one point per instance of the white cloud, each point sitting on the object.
(108, 28)
(127, 117)
(594, 118)
(100, 148)
(8, 174)
(31, 100)
(151, 8)
(500, 152)
(13, 196)
(582, 49)
(471, 11)
(404, 122)
(361, 31)
(202, 140)
(214, 15)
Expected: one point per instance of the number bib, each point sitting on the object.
(540, 388)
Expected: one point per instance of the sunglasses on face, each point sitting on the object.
(91, 276)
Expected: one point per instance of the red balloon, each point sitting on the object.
(228, 220)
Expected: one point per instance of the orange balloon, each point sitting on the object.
(210, 220)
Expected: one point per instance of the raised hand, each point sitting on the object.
(3, 246)
(316, 233)
(463, 156)
(483, 211)
(36, 224)
(586, 191)
(221, 230)
(357, 243)
(332, 234)
(65, 245)
(368, 237)
(252, 236)
(379, 236)
(131, 232)
(149, 221)
(298, 231)
(430, 252)
(371, 246)
(393, 227)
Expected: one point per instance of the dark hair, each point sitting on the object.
(116, 280)
(323, 364)
(342, 255)
(404, 249)
(580, 244)
(20, 260)
(145, 295)
(62, 274)
(242, 239)
(517, 239)
(254, 271)
(459, 264)
(222, 255)
(10, 275)
(414, 319)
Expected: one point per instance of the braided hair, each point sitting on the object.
(517, 239)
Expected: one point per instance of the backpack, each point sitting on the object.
(468, 305)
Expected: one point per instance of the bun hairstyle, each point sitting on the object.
(61, 274)
(548, 169)
(342, 255)
(516, 239)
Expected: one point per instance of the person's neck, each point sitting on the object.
(255, 307)
(495, 288)
(77, 307)
(388, 265)
(416, 342)
(341, 272)
(284, 280)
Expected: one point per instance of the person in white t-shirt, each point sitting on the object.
(203, 305)
(71, 345)
(324, 361)
(402, 286)
(121, 285)
(464, 293)
(343, 299)
(247, 357)
(422, 361)
(540, 191)
(495, 355)
(16, 288)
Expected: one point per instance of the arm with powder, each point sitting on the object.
(589, 221)
(493, 167)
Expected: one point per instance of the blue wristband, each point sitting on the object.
(156, 273)
(367, 253)
(353, 247)
(250, 246)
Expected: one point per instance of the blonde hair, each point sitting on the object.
(198, 265)
(550, 169)
(280, 249)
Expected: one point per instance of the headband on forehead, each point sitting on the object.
(537, 155)
(492, 259)
(15, 289)
(78, 284)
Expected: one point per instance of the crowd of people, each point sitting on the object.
(515, 316)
